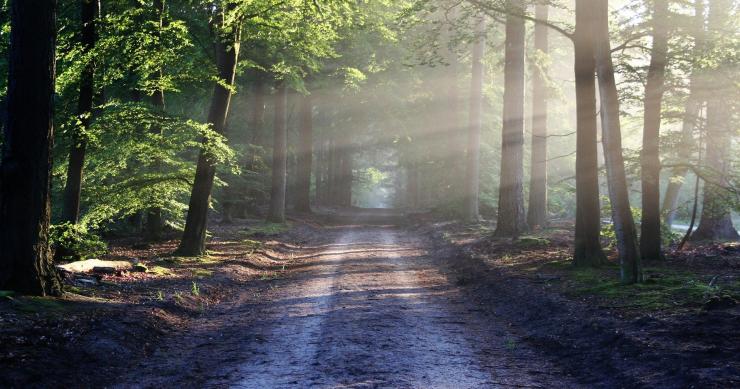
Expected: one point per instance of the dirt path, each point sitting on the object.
(369, 310)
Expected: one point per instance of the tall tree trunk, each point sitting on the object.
(276, 214)
(71, 209)
(511, 217)
(692, 110)
(25, 172)
(472, 157)
(716, 218)
(537, 212)
(154, 221)
(305, 156)
(588, 251)
(193, 241)
(257, 112)
(650, 247)
(624, 225)
(412, 185)
(331, 173)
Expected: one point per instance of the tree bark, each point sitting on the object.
(650, 247)
(588, 251)
(71, 207)
(472, 155)
(692, 110)
(511, 216)
(537, 212)
(193, 241)
(276, 213)
(25, 171)
(624, 225)
(305, 156)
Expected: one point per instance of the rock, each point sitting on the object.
(720, 302)
(90, 264)
(139, 267)
(104, 270)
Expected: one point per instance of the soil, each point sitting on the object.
(358, 305)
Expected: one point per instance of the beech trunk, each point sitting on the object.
(26, 263)
(193, 241)
(305, 156)
(537, 212)
(276, 213)
(472, 156)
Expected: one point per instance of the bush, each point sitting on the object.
(72, 242)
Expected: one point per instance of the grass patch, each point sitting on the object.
(662, 289)
(160, 271)
(267, 229)
(532, 241)
(202, 273)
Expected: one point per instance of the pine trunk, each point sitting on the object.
(588, 251)
(650, 247)
(305, 156)
(26, 263)
(73, 188)
(624, 225)
(537, 212)
(511, 220)
(193, 241)
(154, 220)
(276, 213)
(472, 157)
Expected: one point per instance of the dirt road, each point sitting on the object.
(369, 310)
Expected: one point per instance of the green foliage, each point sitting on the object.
(74, 242)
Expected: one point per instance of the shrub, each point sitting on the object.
(73, 242)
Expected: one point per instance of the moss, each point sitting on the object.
(159, 271)
(532, 241)
(40, 305)
(202, 273)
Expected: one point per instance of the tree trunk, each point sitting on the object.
(276, 213)
(412, 185)
(193, 241)
(25, 172)
(305, 156)
(588, 251)
(472, 168)
(537, 212)
(650, 247)
(257, 113)
(154, 220)
(511, 217)
(692, 110)
(73, 188)
(624, 225)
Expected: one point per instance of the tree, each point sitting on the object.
(89, 9)
(537, 212)
(472, 157)
(692, 110)
(716, 217)
(276, 213)
(305, 156)
(650, 161)
(624, 225)
(588, 251)
(511, 217)
(25, 171)
(227, 52)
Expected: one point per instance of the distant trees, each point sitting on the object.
(25, 171)
(305, 155)
(472, 156)
(276, 213)
(511, 219)
(537, 211)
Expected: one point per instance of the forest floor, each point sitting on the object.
(334, 303)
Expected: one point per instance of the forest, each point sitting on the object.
(370, 193)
